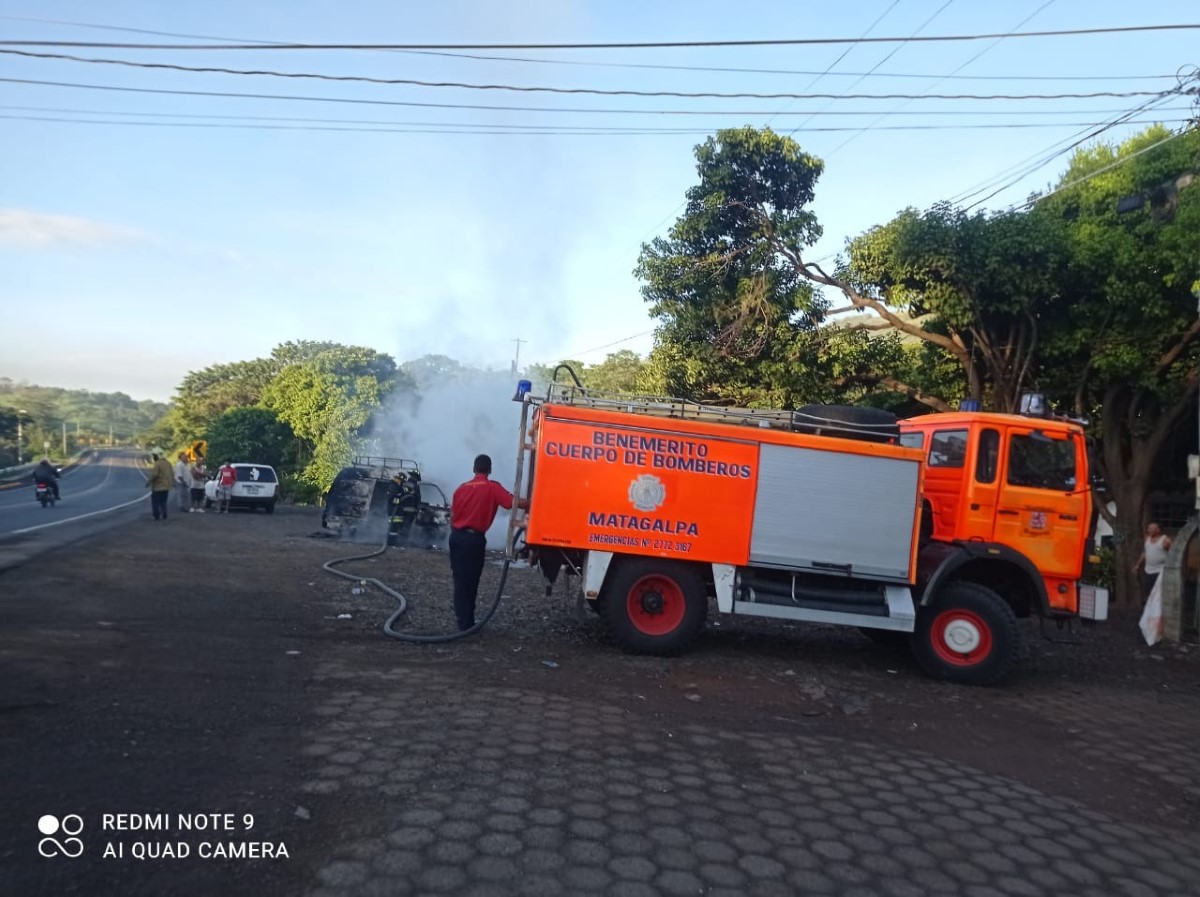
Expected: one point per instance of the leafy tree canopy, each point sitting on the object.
(250, 434)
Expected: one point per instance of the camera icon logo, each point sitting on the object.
(70, 826)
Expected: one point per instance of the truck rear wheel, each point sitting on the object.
(967, 634)
(654, 606)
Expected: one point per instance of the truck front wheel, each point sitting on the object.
(967, 634)
(654, 606)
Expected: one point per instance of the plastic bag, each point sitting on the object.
(1152, 622)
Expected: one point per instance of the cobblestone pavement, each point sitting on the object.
(499, 790)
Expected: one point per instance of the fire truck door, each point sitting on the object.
(1043, 508)
(983, 487)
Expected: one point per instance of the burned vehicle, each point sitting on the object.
(376, 495)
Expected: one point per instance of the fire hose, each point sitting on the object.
(402, 602)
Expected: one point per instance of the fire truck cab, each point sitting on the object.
(942, 530)
(1012, 490)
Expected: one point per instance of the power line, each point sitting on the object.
(1057, 154)
(483, 129)
(846, 52)
(1105, 168)
(1048, 154)
(630, 65)
(894, 51)
(618, 45)
(470, 106)
(989, 47)
(589, 91)
(608, 345)
(834, 112)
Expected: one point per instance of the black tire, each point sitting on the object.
(864, 424)
(966, 634)
(654, 606)
(269, 507)
(887, 638)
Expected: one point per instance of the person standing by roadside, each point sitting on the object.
(199, 474)
(183, 483)
(226, 477)
(159, 479)
(1154, 557)
(472, 510)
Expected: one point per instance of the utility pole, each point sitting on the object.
(516, 365)
(64, 431)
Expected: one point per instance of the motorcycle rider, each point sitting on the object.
(46, 473)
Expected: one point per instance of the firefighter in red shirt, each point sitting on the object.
(472, 510)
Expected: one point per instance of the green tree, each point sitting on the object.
(619, 372)
(204, 395)
(724, 285)
(86, 417)
(1126, 350)
(250, 434)
(972, 286)
(1092, 307)
(328, 400)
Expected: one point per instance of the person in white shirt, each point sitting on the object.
(1154, 557)
(199, 475)
(183, 483)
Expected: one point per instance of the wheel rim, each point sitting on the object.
(655, 605)
(961, 637)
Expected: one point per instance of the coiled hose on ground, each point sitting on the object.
(402, 602)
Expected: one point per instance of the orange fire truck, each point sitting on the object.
(942, 529)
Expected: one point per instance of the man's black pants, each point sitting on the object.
(158, 503)
(466, 564)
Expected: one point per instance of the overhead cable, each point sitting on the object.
(1042, 163)
(590, 91)
(846, 52)
(623, 65)
(481, 128)
(617, 45)
(962, 66)
(1106, 168)
(1015, 174)
(894, 51)
(473, 106)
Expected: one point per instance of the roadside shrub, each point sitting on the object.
(297, 491)
(1104, 573)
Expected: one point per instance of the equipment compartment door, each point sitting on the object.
(835, 511)
(651, 491)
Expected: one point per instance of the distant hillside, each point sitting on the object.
(89, 417)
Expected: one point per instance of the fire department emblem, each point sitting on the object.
(647, 492)
(1037, 520)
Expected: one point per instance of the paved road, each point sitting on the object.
(98, 493)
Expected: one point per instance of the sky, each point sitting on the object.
(155, 237)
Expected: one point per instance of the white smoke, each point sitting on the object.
(446, 423)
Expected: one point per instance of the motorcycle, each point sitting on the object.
(43, 493)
